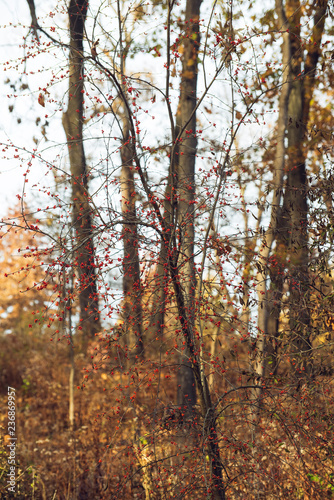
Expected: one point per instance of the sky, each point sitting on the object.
(22, 116)
(25, 109)
(11, 175)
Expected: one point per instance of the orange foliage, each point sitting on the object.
(24, 287)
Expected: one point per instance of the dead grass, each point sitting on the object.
(131, 442)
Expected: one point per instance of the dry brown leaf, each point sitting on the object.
(41, 100)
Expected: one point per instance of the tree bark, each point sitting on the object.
(186, 123)
(82, 218)
(269, 301)
(132, 293)
(293, 236)
(160, 280)
(132, 306)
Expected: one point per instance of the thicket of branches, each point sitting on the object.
(173, 239)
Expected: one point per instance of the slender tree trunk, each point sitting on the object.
(71, 390)
(295, 208)
(186, 122)
(132, 293)
(132, 306)
(73, 126)
(270, 300)
(160, 280)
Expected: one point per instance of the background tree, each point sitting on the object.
(82, 213)
(132, 306)
(290, 222)
(185, 133)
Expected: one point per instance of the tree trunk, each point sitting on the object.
(132, 306)
(270, 300)
(186, 123)
(288, 224)
(293, 237)
(82, 223)
(160, 280)
(132, 293)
